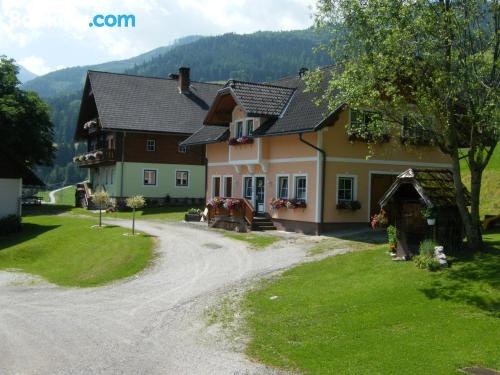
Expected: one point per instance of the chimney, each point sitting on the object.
(302, 71)
(184, 80)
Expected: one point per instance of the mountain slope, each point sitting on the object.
(72, 79)
(25, 75)
(261, 56)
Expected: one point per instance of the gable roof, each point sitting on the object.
(289, 108)
(260, 100)
(12, 168)
(136, 103)
(435, 187)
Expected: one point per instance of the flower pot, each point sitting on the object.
(431, 221)
(192, 217)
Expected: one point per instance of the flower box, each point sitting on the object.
(349, 205)
(239, 141)
(276, 204)
(192, 217)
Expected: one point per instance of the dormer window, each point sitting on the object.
(150, 145)
(250, 127)
(239, 129)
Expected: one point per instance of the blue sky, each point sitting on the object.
(45, 35)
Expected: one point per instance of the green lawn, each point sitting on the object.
(362, 313)
(490, 188)
(258, 241)
(44, 195)
(68, 252)
(147, 213)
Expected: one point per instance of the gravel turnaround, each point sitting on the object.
(152, 323)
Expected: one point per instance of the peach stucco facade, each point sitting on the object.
(273, 157)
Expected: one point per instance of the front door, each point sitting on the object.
(260, 183)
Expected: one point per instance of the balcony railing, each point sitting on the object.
(240, 208)
(97, 157)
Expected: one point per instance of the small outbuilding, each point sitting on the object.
(13, 177)
(421, 204)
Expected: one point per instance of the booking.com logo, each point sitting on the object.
(111, 20)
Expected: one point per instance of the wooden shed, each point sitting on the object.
(414, 190)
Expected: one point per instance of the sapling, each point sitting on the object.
(135, 203)
(101, 198)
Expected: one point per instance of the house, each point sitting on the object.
(13, 177)
(298, 163)
(406, 199)
(132, 127)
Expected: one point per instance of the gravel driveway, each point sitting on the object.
(150, 324)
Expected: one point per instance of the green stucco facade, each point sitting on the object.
(109, 178)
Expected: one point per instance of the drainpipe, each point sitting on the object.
(123, 160)
(323, 167)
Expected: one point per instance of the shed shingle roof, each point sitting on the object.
(129, 102)
(435, 186)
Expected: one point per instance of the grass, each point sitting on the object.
(44, 195)
(490, 188)
(147, 213)
(66, 251)
(258, 241)
(361, 313)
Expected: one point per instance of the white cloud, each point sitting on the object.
(28, 27)
(38, 65)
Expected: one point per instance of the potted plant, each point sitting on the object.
(193, 214)
(429, 212)
(379, 220)
(349, 205)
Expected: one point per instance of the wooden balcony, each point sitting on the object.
(100, 157)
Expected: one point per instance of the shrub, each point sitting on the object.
(426, 262)
(10, 224)
(427, 247)
(194, 211)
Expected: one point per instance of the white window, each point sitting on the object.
(283, 187)
(247, 187)
(181, 178)
(149, 177)
(346, 188)
(239, 129)
(301, 187)
(250, 127)
(150, 145)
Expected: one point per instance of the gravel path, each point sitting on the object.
(150, 324)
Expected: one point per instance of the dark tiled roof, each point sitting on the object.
(12, 168)
(302, 114)
(129, 102)
(435, 186)
(260, 99)
(207, 134)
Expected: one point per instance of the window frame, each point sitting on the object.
(249, 121)
(187, 178)
(278, 185)
(148, 149)
(238, 133)
(213, 185)
(295, 185)
(144, 176)
(354, 187)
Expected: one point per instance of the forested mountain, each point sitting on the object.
(261, 56)
(68, 80)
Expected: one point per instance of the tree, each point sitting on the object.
(101, 198)
(135, 203)
(429, 65)
(26, 129)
